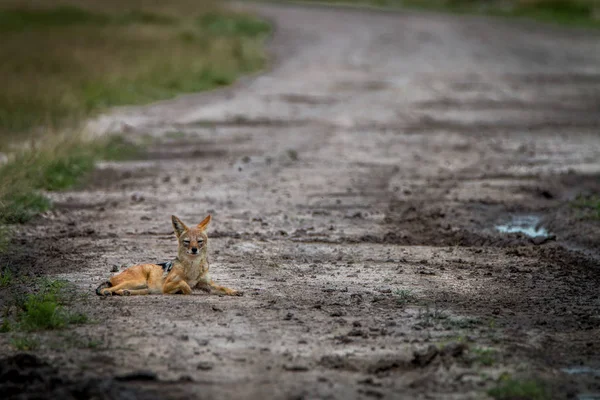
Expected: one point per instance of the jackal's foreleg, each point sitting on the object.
(176, 286)
(212, 287)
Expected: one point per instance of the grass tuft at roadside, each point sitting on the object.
(58, 162)
(510, 388)
(589, 206)
(41, 305)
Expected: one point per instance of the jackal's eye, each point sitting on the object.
(186, 242)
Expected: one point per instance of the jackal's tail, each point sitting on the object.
(103, 285)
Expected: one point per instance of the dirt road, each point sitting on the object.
(355, 191)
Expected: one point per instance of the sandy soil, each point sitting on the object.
(355, 189)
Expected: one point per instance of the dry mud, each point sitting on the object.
(355, 189)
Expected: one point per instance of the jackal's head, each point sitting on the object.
(193, 242)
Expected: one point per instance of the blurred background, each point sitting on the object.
(65, 61)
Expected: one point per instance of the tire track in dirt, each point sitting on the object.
(371, 163)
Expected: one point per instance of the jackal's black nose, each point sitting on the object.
(194, 250)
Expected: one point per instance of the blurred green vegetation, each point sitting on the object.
(65, 60)
(510, 389)
(589, 206)
(568, 12)
(60, 161)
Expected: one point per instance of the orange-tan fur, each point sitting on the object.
(189, 270)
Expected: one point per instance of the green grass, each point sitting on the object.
(589, 205)
(5, 234)
(567, 12)
(42, 310)
(59, 165)
(93, 344)
(62, 173)
(5, 327)
(19, 20)
(234, 25)
(18, 208)
(6, 278)
(25, 343)
(511, 389)
(42, 313)
(60, 162)
(46, 308)
(58, 173)
(64, 62)
(16, 20)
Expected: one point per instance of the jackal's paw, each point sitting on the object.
(126, 293)
(236, 293)
(102, 288)
(106, 292)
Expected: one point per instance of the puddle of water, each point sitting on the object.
(588, 396)
(525, 224)
(584, 371)
(581, 371)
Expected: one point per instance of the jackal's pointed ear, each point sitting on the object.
(202, 225)
(178, 226)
